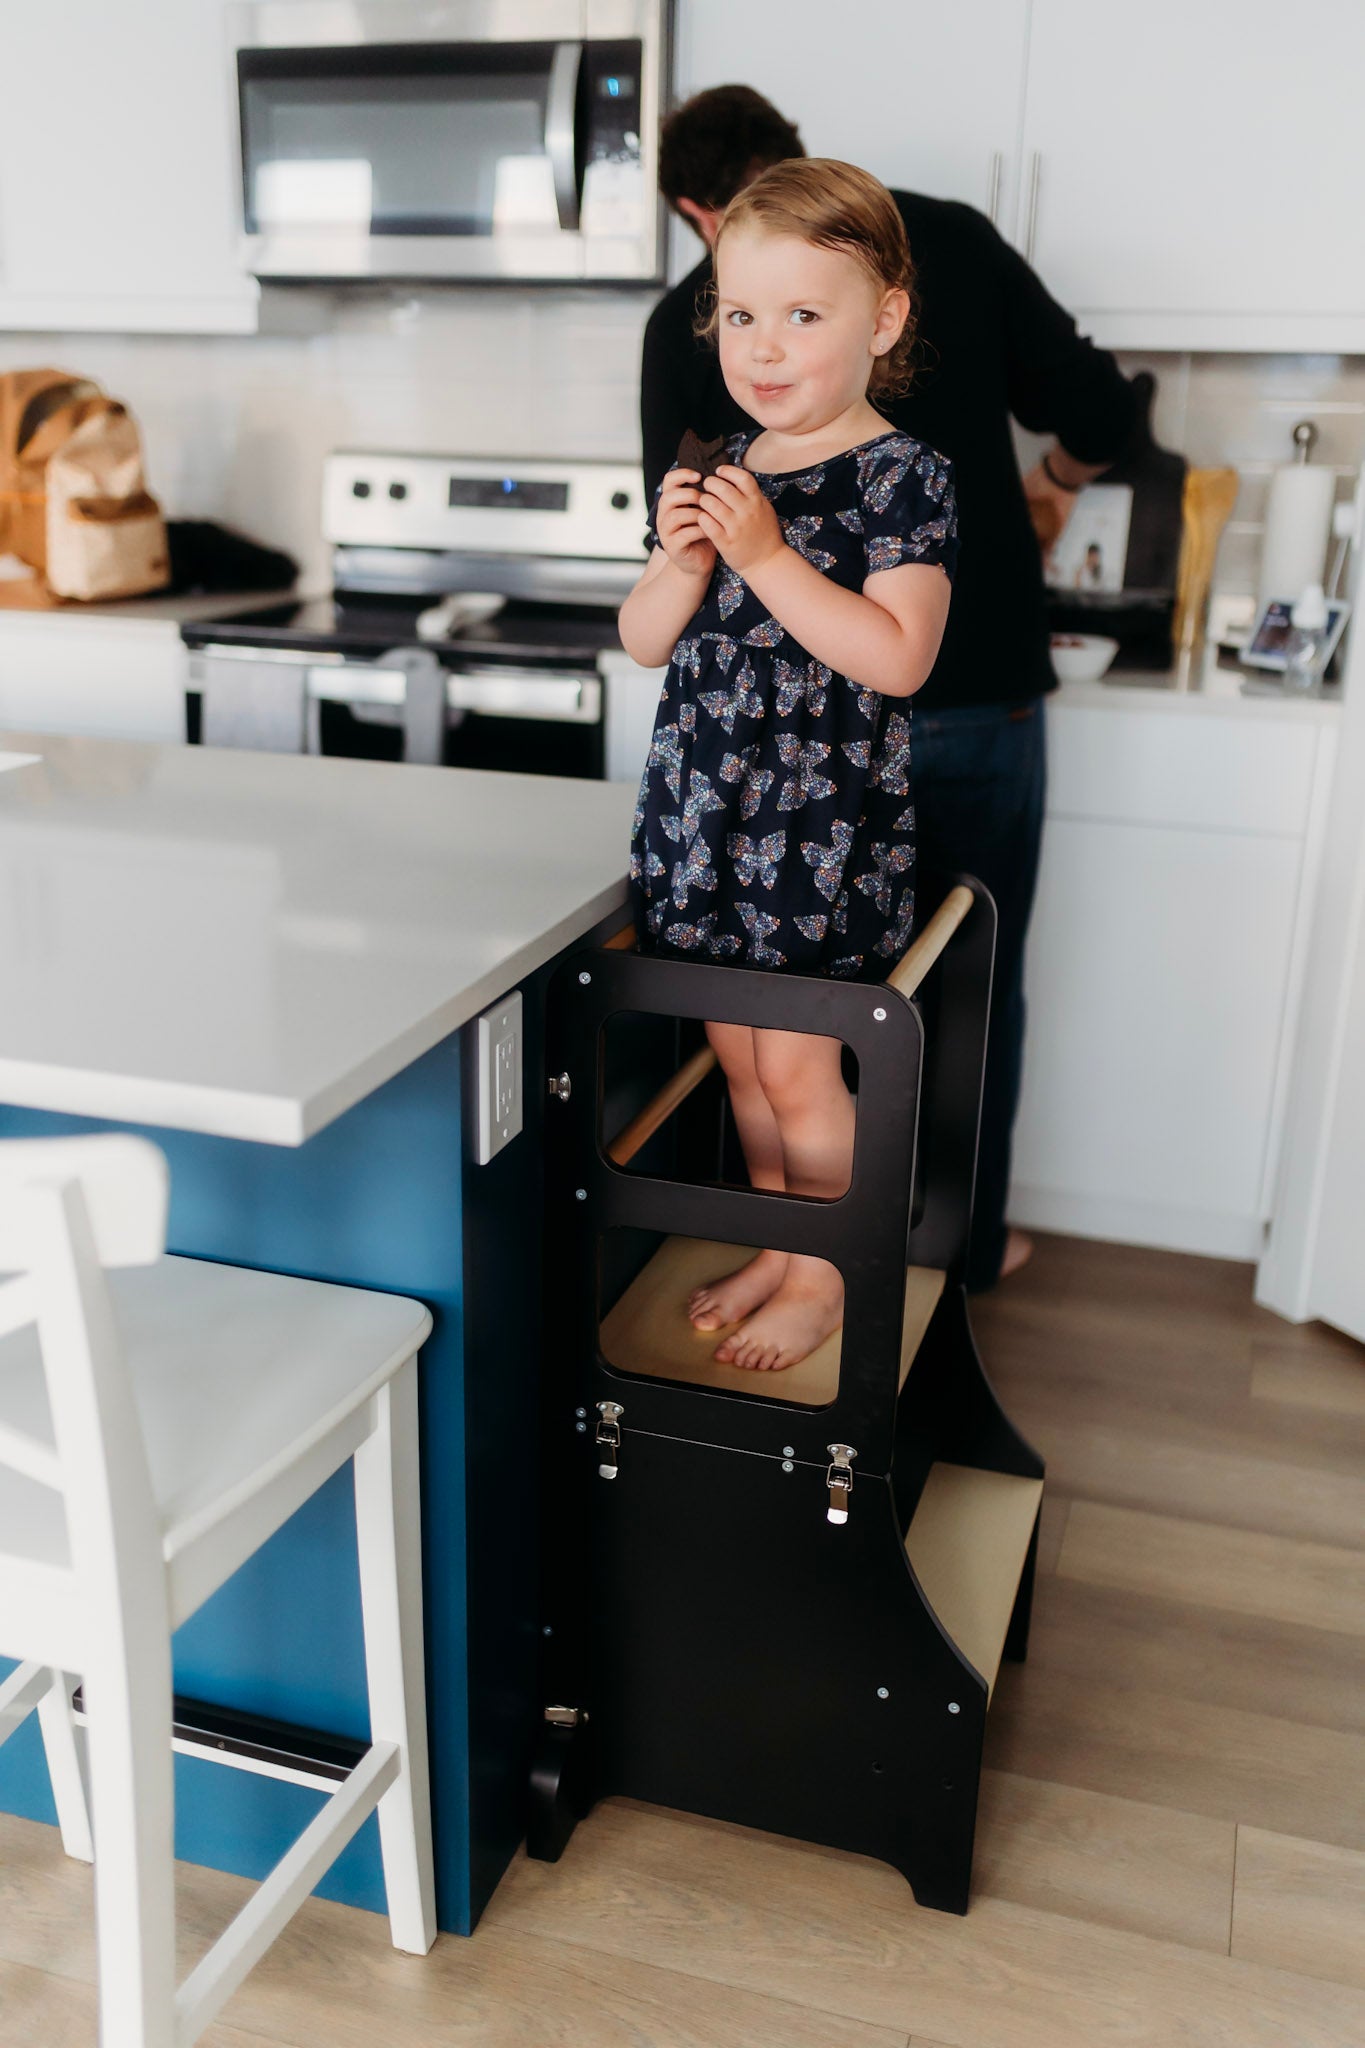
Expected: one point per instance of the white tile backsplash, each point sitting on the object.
(236, 429)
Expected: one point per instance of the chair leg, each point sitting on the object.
(132, 1800)
(64, 1767)
(389, 1535)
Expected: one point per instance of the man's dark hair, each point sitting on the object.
(714, 143)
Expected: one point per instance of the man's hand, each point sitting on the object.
(1049, 507)
(735, 515)
(682, 538)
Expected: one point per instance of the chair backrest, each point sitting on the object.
(69, 1208)
(124, 1182)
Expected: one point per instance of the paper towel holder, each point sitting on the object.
(1297, 522)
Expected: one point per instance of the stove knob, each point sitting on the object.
(620, 501)
(360, 489)
(398, 491)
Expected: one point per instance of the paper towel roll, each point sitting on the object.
(1298, 520)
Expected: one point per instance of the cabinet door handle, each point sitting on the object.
(1035, 178)
(993, 186)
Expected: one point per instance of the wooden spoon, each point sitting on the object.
(1208, 498)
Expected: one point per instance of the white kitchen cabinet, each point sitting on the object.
(1157, 967)
(1338, 1292)
(632, 699)
(1178, 879)
(926, 95)
(1184, 177)
(110, 678)
(117, 205)
(1191, 172)
(1313, 1264)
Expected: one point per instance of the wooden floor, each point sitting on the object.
(1172, 1847)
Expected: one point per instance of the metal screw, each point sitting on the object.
(580, 1412)
(789, 1450)
(883, 1693)
(582, 1429)
(580, 1194)
(787, 1465)
(585, 977)
(953, 1707)
(880, 1016)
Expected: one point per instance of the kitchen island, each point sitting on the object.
(271, 966)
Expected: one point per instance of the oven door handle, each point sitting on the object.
(292, 657)
(561, 101)
(526, 693)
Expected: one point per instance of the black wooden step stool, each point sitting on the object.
(776, 1599)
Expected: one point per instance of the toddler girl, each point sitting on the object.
(798, 596)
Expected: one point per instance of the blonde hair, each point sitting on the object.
(832, 205)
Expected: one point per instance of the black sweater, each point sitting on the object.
(992, 343)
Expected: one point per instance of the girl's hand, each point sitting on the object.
(735, 515)
(681, 537)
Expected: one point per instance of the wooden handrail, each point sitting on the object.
(660, 1107)
(910, 970)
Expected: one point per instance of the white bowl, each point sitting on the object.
(1081, 657)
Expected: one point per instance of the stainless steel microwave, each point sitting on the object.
(481, 140)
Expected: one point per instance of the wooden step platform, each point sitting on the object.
(968, 1542)
(648, 1332)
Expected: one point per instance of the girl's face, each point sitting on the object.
(799, 328)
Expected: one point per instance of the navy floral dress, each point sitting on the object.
(775, 827)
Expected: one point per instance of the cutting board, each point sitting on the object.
(1140, 616)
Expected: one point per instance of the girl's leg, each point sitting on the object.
(726, 1301)
(802, 1079)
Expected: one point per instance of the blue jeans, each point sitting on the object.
(979, 781)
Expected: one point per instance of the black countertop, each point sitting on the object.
(522, 631)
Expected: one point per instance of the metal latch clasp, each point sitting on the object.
(609, 1438)
(560, 1087)
(565, 1717)
(839, 1480)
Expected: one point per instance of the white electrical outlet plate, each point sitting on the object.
(500, 1048)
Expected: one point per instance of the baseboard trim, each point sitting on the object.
(1158, 1225)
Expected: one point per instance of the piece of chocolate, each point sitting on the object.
(705, 457)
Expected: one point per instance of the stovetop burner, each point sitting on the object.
(344, 624)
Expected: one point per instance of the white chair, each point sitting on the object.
(159, 1419)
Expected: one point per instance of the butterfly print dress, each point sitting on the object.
(775, 827)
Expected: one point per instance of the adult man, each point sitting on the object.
(993, 344)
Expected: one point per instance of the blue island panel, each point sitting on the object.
(374, 1200)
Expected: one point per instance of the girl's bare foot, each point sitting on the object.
(726, 1301)
(807, 1308)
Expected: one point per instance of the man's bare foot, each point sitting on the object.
(722, 1302)
(807, 1308)
(1018, 1252)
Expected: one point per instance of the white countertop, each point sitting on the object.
(160, 609)
(246, 944)
(1217, 693)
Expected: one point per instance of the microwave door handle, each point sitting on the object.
(561, 103)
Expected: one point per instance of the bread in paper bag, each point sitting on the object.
(39, 409)
(105, 534)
